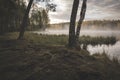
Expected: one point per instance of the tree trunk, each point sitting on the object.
(25, 20)
(82, 16)
(71, 42)
(1, 26)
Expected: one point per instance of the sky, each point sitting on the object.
(96, 10)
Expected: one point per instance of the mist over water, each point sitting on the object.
(93, 33)
(111, 50)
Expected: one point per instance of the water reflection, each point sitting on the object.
(111, 50)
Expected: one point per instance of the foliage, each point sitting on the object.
(11, 15)
(39, 19)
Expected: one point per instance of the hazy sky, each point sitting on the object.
(96, 9)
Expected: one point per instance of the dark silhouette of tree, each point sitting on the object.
(25, 20)
(74, 35)
(72, 24)
(82, 16)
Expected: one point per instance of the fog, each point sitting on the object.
(111, 50)
(93, 33)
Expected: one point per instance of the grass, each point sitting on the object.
(97, 40)
(62, 39)
(44, 57)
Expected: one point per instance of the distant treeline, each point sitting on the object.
(102, 24)
(94, 25)
(12, 12)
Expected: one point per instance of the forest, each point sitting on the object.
(12, 13)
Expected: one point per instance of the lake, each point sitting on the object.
(111, 50)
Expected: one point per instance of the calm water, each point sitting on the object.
(111, 50)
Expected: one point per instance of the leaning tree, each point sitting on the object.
(25, 20)
(23, 26)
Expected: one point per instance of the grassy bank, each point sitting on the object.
(44, 57)
(62, 39)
